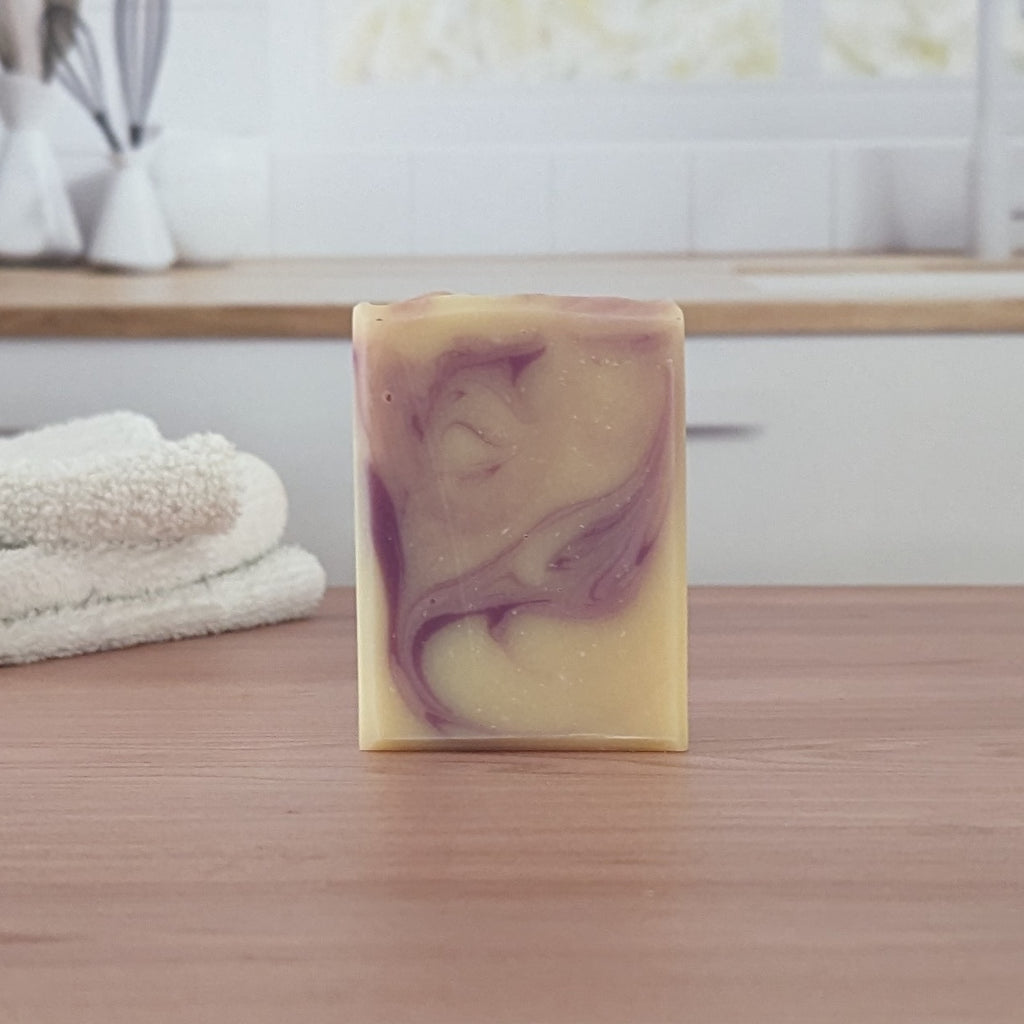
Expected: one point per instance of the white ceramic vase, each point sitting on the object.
(37, 221)
(131, 232)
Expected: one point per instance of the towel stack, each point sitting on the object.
(111, 536)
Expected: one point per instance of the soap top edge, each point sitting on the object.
(446, 303)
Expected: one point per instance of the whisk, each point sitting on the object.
(140, 30)
(19, 36)
(69, 53)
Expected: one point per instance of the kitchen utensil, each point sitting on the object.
(20, 49)
(9, 57)
(140, 31)
(36, 218)
(70, 55)
(8, 50)
(21, 34)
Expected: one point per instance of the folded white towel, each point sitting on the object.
(107, 432)
(114, 479)
(34, 578)
(287, 583)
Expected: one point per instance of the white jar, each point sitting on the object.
(131, 231)
(37, 221)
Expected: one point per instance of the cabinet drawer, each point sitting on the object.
(875, 460)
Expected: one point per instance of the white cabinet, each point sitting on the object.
(874, 460)
(811, 460)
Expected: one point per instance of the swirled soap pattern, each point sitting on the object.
(520, 532)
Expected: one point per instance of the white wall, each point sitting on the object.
(327, 169)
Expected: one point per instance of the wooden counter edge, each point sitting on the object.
(334, 321)
(178, 321)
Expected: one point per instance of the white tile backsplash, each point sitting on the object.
(762, 198)
(326, 182)
(299, 80)
(620, 199)
(900, 196)
(1017, 195)
(481, 201)
(341, 202)
(214, 76)
(215, 190)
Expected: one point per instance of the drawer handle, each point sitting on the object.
(720, 431)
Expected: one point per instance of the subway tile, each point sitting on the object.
(865, 199)
(214, 76)
(216, 193)
(248, 158)
(772, 197)
(1017, 194)
(343, 202)
(901, 196)
(620, 199)
(481, 200)
(304, 96)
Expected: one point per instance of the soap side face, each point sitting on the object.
(520, 523)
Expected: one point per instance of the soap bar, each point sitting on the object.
(520, 529)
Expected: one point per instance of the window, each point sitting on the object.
(909, 38)
(652, 40)
(530, 41)
(544, 71)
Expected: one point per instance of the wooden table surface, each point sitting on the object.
(188, 834)
(307, 298)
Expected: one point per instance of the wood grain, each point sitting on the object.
(188, 833)
(314, 298)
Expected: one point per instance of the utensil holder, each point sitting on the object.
(37, 221)
(131, 231)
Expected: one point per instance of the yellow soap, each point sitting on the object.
(520, 523)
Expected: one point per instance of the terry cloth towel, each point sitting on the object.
(113, 479)
(35, 579)
(287, 583)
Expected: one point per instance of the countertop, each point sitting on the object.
(723, 296)
(188, 834)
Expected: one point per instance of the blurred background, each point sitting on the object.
(378, 133)
(691, 125)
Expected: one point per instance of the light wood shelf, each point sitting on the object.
(314, 298)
